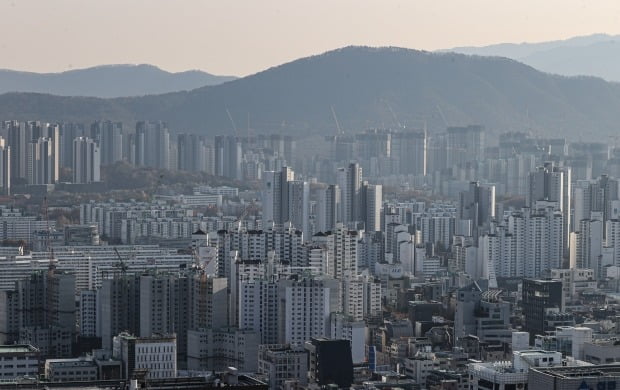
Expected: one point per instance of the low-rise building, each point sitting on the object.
(80, 235)
(155, 355)
(330, 362)
(568, 340)
(343, 327)
(447, 380)
(71, 370)
(231, 380)
(604, 377)
(281, 363)
(390, 380)
(99, 366)
(18, 361)
(52, 341)
(575, 281)
(420, 366)
(506, 375)
(602, 351)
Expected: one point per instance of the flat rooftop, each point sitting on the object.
(581, 372)
(8, 349)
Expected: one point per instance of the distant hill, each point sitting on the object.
(594, 55)
(364, 86)
(107, 81)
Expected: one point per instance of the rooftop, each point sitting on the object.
(581, 372)
(25, 348)
(73, 362)
(153, 338)
(611, 342)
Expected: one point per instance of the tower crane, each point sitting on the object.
(392, 112)
(340, 131)
(443, 117)
(121, 263)
(48, 241)
(232, 121)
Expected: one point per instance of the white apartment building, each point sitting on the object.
(372, 203)
(431, 265)
(134, 221)
(222, 190)
(342, 247)
(16, 226)
(194, 199)
(353, 298)
(307, 305)
(258, 309)
(497, 252)
(587, 245)
(318, 258)
(612, 238)
(420, 366)
(436, 226)
(361, 297)
(541, 241)
(92, 264)
(86, 161)
(254, 245)
(529, 244)
(299, 205)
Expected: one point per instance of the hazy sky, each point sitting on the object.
(242, 37)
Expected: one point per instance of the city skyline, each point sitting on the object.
(274, 263)
(369, 218)
(232, 38)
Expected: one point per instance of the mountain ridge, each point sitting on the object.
(592, 55)
(107, 81)
(366, 87)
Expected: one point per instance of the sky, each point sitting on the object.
(241, 37)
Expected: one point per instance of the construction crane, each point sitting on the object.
(232, 121)
(392, 112)
(443, 117)
(244, 214)
(421, 122)
(196, 264)
(48, 241)
(336, 120)
(249, 128)
(121, 263)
